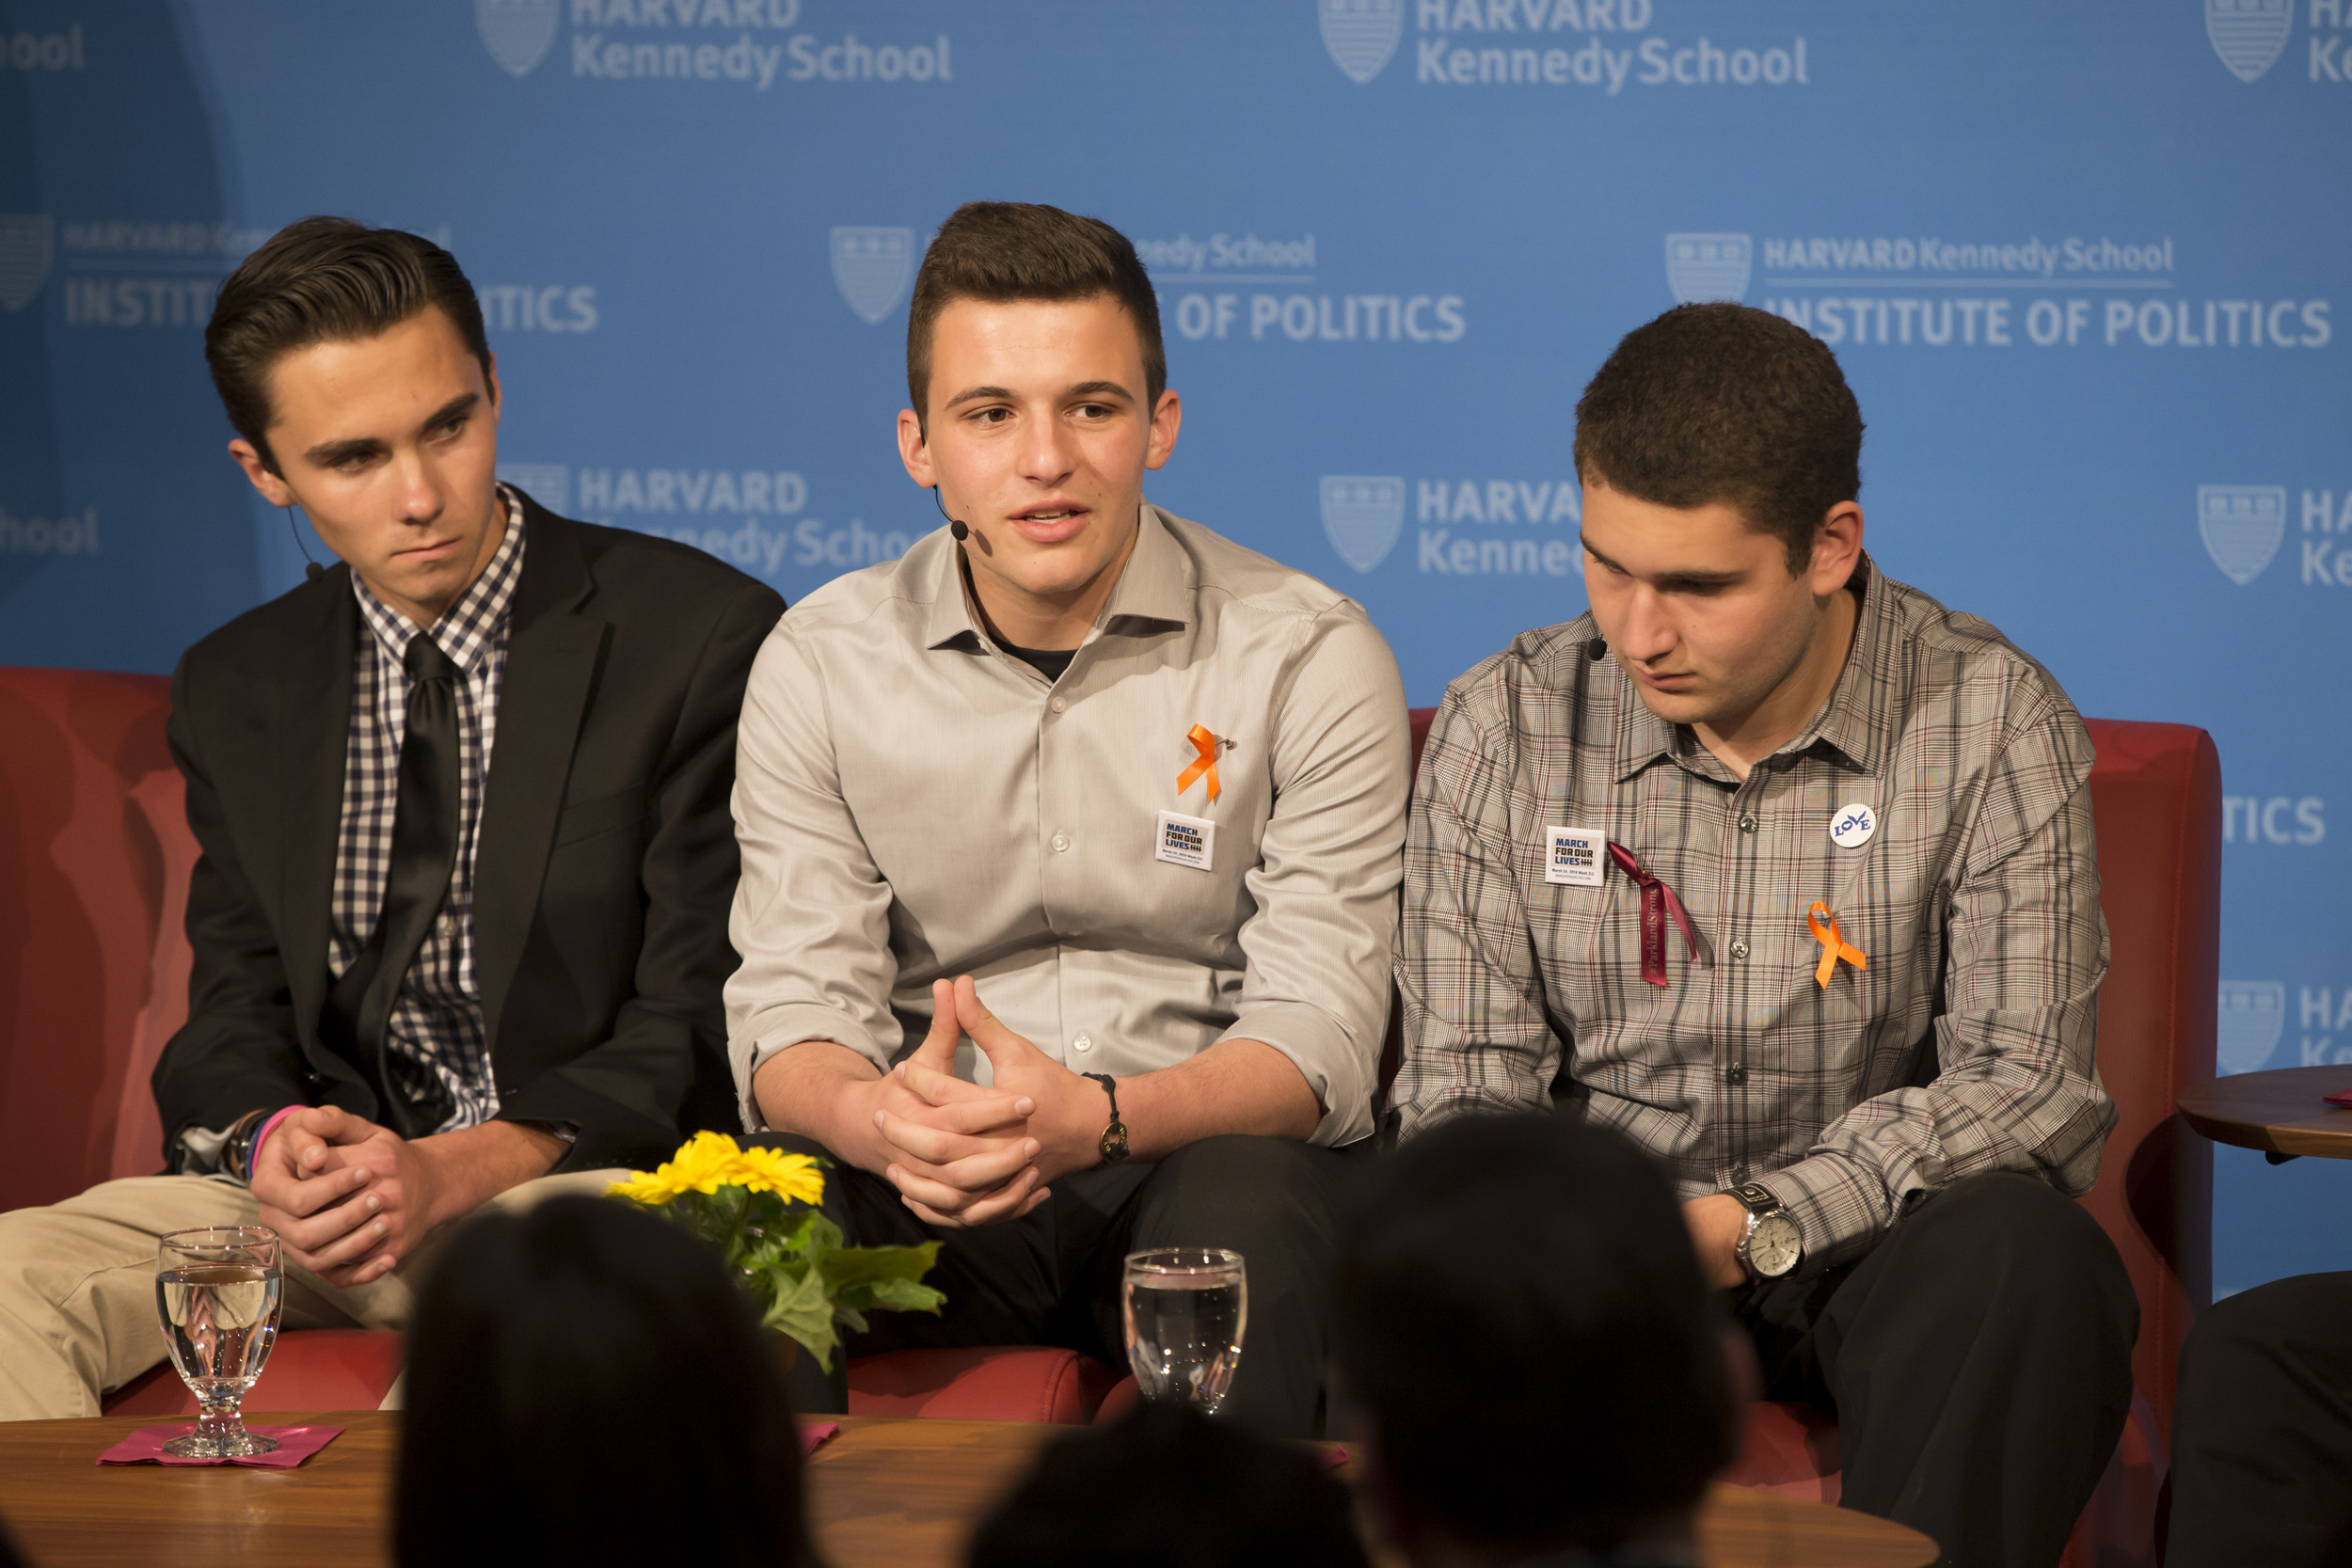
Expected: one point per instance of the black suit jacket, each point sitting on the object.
(605, 864)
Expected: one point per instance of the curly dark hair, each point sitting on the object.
(1725, 404)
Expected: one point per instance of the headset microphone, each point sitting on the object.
(312, 572)
(1596, 650)
(954, 524)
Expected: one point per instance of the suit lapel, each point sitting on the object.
(314, 744)
(553, 648)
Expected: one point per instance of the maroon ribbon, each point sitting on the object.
(1658, 901)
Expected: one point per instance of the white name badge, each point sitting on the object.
(1574, 855)
(1186, 841)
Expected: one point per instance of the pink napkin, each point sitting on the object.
(294, 1445)
(813, 1434)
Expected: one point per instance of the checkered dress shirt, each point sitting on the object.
(1965, 1046)
(436, 1032)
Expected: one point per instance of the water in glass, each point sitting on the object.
(217, 1293)
(1186, 1310)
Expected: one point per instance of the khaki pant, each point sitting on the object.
(77, 1284)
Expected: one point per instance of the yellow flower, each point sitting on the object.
(703, 1164)
(795, 1178)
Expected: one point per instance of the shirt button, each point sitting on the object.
(1747, 824)
(1735, 1074)
(1738, 949)
(1060, 705)
(1060, 842)
(1083, 1042)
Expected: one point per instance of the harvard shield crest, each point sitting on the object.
(1361, 35)
(27, 242)
(517, 32)
(871, 267)
(1363, 514)
(2242, 524)
(1703, 267)
(2248, 34)
(2252, 1014)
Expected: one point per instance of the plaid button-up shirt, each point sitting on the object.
(1964, 1045)
(436, 1032)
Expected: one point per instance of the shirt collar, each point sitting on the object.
(1155, 588)
(1853, 721)
(468, 629)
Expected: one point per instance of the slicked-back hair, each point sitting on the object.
(1725, 404)
(1013, 251)
(1519, 1310)
(323, 280)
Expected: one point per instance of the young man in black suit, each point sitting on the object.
(460, 919)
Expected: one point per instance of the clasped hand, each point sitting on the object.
(963, 1155)
(348, 1199)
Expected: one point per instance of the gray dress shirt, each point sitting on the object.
(1964, 1047)
(913, 803)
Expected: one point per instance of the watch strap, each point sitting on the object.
(1758, 1199)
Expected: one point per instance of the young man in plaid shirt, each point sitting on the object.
(1787, 871)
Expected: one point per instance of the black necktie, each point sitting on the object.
(424, 850)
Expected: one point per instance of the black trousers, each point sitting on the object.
(1052, 1278)
(1978, 1361)
(2262, 1430)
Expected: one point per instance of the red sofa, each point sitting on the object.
(94, 856)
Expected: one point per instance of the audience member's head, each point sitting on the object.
(585, 1387)
(1521, 1321)
(1166, 1487)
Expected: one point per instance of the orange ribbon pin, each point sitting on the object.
(1833, 947)
(1204, 743)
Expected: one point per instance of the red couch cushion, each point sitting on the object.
(94, 858)
(1021, 1384)
(311, 1369)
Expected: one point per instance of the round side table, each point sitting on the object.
(2281, 1113)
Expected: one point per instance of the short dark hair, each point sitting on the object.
(325, 279)
(1166, 1487)
(1006, 250)
(1725, 404)
(587, 1386)
(1519, 1312)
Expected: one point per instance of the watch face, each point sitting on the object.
(1774, 1246)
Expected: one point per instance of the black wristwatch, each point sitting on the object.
(1113, 1144)
(1773, 1243)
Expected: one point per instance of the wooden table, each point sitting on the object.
(2280, 1113)
(886, 1493)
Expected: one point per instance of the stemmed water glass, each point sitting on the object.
(1186, 1311)
(219, 1292)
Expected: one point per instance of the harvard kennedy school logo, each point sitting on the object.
(2252, 1014)
(27, 242)
(1363, 514)
(871, 267)
(1361, 35)
(1701, 267)
(2242, 524)
(2248, 34)
(517, 32)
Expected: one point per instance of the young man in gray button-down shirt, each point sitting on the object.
(1071, 845)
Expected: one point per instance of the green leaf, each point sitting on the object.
(858, 1265)
(805, 1312)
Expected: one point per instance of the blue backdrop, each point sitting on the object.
(2084, 261)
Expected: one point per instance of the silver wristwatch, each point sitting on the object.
(1773, 1245)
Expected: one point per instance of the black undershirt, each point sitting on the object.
(1049, 662)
